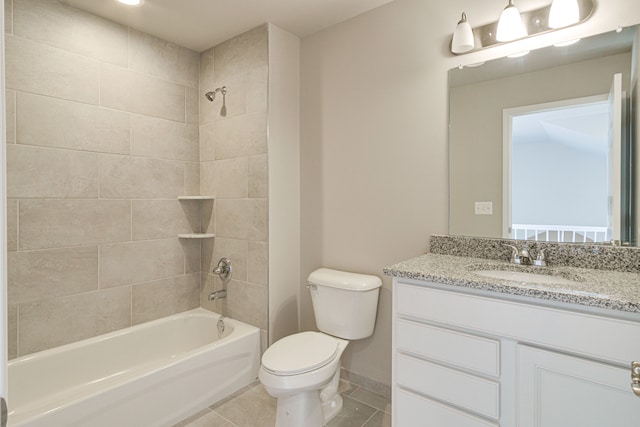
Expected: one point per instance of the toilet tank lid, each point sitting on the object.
(344, 280)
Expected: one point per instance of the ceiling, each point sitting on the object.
(201, 24)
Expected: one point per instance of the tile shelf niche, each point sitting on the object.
(195, 235)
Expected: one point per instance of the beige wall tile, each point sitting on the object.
(247, 303)
(192, 249)
(161, 298)
(46, 121)
(164, 139)
(12, 331)
(137, 177)
(12, 225)
(230, 178)
(8, 16)
(36, 68)
(233, 249)
(207, 180)
(208, 216)
(241, 136)
(207, 142)
(54, 23)
(206, 70)
(49, 172)
(242, 219)
(151, 55)
(193, 105)
(41, 275)
(242, 53)
(135, 262)
(257, 88)
(191, 179)
(258, 176)
(11, 116)
(158, 219)
(127, 90)
(51, 223)
(258, 263)
(59, 321)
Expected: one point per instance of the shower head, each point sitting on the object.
(212, 95)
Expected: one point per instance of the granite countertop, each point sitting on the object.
(606, 289)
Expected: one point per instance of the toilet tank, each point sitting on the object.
(345, 304)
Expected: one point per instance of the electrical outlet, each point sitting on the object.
(484, 208)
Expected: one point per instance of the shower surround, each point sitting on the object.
(106, 127)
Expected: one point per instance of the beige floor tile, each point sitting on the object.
(380, 419)
(353, 414)
(372, 399)
(205, 418)
(253, 408)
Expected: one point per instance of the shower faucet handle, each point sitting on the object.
(223, 269)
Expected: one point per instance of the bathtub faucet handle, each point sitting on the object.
(223, 269)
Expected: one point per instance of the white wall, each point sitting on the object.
(374, 161)
(284, 182)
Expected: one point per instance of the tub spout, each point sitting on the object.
(218, 294)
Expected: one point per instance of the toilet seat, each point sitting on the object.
(299, 353)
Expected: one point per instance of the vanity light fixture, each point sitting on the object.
(513, 25)
(564, 13)
(510, 26)
(462, 37)
(131, 2)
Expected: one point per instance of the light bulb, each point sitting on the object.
(462, 36)
(131, 2)
(510, 26)
(564, 13)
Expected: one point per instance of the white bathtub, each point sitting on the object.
(153, 374)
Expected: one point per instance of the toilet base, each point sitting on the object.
(301, 409)
(312, 408)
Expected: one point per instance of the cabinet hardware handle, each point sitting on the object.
(635, 378)
(635, 387)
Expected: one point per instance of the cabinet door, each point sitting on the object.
(557, 390)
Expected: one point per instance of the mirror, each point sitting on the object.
(532, 144)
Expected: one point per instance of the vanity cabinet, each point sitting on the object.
(469, 358)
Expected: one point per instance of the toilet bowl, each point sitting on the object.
(303, 370)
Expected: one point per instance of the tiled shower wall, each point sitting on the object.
(233, 155)
(102, 132)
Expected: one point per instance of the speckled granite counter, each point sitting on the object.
(589, 287)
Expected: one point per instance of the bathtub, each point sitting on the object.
(153, 374)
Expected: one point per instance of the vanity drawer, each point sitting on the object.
(476, 394)
(466, 351)
(539, 325)
(415, 411)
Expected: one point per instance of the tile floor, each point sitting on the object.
(253, 407)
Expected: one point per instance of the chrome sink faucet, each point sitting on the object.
(524, 257)
(520, 257)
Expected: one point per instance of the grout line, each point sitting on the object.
(369, 419)
(17, 218)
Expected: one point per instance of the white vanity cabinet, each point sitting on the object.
(467, 358)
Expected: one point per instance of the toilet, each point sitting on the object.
(302, 371)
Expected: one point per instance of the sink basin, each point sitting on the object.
(523, 277)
